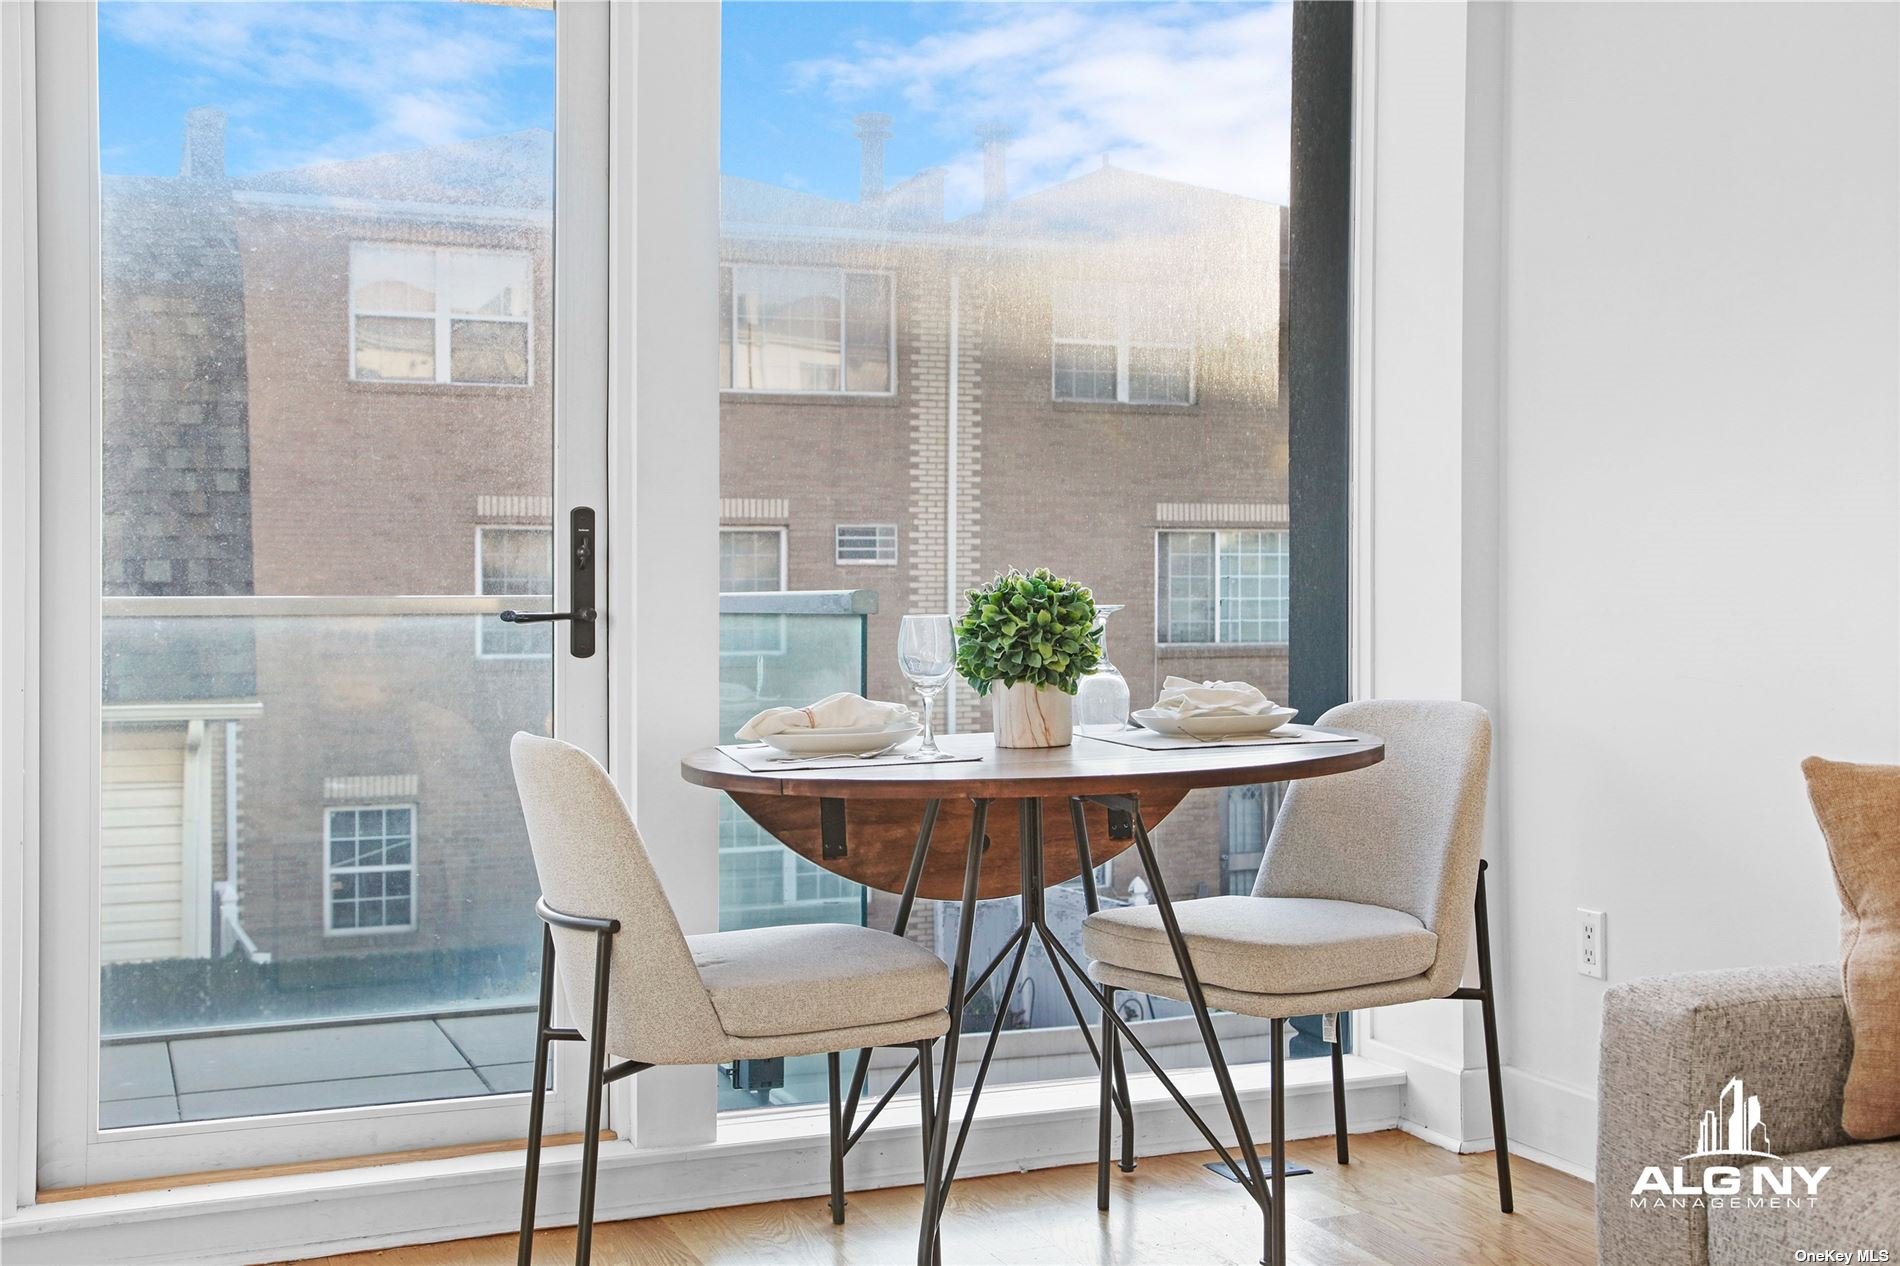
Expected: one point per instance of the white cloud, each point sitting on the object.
(1193, 92)
(405, 75)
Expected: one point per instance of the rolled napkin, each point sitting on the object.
(833, 712)
(1187, 698)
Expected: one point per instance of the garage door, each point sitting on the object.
(142, 862)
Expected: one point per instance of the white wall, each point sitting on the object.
(1700, 478)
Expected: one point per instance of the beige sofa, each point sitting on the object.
(1670, 1047)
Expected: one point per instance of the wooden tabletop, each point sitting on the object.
(883, 804)
(1087, 767)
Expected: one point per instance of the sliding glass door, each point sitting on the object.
(347, 386)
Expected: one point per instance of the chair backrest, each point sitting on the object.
(1406, 833)
(592, 862)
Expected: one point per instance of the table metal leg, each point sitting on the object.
(1108, 1094)
(1191, 986)
(934, 1192)
(1091, 901)
(899, 925)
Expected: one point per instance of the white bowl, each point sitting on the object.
(860, 742)
(1241, 725)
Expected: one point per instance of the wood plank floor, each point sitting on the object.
(1400, 1203)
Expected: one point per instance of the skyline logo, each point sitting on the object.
(1732, 1126)
(1732, 1130)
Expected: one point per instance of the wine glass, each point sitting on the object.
(927, 652)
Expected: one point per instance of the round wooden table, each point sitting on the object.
(877, 824)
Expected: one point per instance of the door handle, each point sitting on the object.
(580, 588)
(586, 615)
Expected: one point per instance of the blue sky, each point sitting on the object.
(1191, 91)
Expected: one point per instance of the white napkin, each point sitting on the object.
(833, 712)
(1186, 698)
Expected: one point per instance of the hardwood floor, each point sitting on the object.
(1400, 1203)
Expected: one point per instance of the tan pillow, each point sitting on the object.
(1859, 810)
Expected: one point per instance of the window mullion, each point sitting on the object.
(844, 327)
(1215, 536)
(1121, 348)
(442, 371)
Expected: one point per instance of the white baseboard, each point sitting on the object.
(1435, 1094)
(765, 1157)
(1552, 1123)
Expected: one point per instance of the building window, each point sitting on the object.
(762, 883)
(867, 543)
(1121, 344)
(369, 869)
(431, 314)
(809, 331)
(1228, 587)
(1246, 815)
(751, 560)
(514, 562)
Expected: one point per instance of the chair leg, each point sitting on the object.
(1276, 1211)
(927, 1103)
(1339, 1090)
(837, 1141)
(590, 1123)
(537, 1105)
(1108, 1099)
(1488, 1003)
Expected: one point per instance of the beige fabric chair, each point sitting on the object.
(1366, 898)
(657, 996)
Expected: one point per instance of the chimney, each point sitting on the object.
(203, 158)
(995, 138)
(873, 131)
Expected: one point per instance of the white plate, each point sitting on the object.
(842, 742)
(1215, 727)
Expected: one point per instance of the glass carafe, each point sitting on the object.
(1101, 698)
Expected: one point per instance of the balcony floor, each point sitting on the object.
(301, 1069)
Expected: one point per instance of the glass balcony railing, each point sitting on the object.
(779, 649)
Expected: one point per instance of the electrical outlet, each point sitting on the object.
(1592, 952)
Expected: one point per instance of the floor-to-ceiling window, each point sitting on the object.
(1013, 280)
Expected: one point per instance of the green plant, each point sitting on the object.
(1035, 628)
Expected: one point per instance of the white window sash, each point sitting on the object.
(1124, 344)
(443, 318)
(733, 272)
(1215, 536)
(331, 870)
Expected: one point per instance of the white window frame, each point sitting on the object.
(1124, 344)
(444, 319)
(729, 272)
(879, 533)
(485, 624)
(330, 870)
(665, 65)
(1161, 599)
(71, 1147)
(784, 548)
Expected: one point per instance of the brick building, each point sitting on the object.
(1103, 362)
(334, 383)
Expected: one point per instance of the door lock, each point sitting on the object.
(580, 588)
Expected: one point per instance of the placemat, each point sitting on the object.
(761, 759)
(1148, 740)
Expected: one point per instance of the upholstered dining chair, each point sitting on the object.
(656, 996)
(1371, 883)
